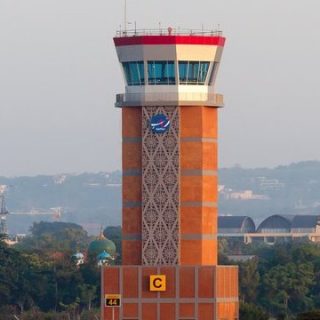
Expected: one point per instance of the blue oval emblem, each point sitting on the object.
(159, 123)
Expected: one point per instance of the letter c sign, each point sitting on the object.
(157, 283)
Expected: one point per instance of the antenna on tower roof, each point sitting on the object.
(125, 16)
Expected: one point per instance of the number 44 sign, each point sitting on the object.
(112, 300)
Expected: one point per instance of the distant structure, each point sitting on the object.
(273, 228)
(235, 225)
(245, 195)
(105, 259)
(78, 258)
(170, 188)
(3, 215)
(268, 184)
(102, 250)
(55, 213)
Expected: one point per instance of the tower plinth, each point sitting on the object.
(170, 188)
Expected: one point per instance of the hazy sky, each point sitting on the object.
(59, 75)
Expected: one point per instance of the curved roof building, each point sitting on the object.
(272, 228)
(289, 223)
(235, 224)
(305, 223)
(276, 223)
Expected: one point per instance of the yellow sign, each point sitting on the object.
(157, 283)
(112, 300)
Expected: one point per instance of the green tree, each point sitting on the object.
(87, 294)
(286, 289)
(249, 280)
(249, 311)
(311, 315)
(48, 238)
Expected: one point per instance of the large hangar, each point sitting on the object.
(273, 228)
(235, 225)
(289, 223)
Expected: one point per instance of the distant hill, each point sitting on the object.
(292, 189)
(94, 199)
(90, 199)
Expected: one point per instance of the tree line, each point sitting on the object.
(39, 280)
(277, 282)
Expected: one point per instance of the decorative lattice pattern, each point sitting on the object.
(160, 189)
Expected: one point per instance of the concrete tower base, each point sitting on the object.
(192, 293)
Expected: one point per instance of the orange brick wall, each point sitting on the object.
(194, 292)
(131, 185)
(199, 185)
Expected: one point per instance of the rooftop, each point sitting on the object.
(168, 32)
(231, 224)
(168, 36)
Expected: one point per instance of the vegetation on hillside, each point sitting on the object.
(85, 199)
(291, 189)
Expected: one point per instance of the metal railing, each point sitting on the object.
(167, 32)
(161, 97)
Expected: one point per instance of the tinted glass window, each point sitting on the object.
(183, 67)
(193, 72)
(134, 73)
(161, 72)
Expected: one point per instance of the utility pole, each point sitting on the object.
(125, 17)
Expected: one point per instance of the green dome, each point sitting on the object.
(98, 246)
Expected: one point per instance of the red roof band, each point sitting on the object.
(165, 40)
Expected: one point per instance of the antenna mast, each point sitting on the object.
(125, 16)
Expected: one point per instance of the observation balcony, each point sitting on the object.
(169, 99)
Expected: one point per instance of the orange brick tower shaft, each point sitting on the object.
(196, 187)
(170, 187)
(170, 176)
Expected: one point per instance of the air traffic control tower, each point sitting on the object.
(169, 111)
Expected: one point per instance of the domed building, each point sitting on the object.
(104, 258)
(77, 258)
(101, 245)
